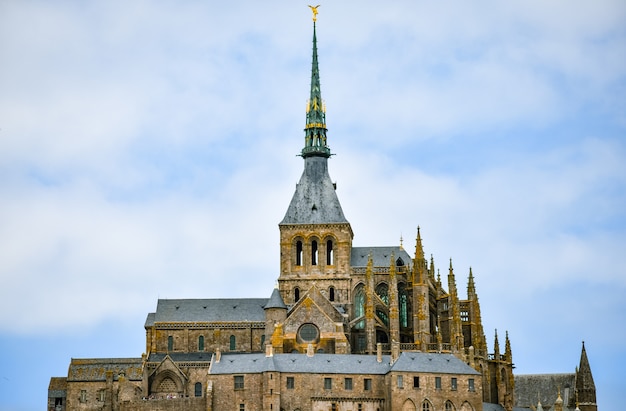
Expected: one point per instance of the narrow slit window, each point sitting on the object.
(329, 253)
(331, 293)
(299, 253)
(313, 252)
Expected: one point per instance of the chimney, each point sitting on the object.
(379, 352)
(218, 354)
(395, 351)
(309, 350)
(269, 350)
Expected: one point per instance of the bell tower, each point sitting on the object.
(315, 236)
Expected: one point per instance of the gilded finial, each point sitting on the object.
(314, 9)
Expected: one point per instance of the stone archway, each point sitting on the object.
(165, 384)
(408, 405)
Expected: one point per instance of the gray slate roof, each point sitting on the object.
(210, 310)
(315, 200)
(94, 369)
(182, 357)
(529, 388)
(381, 256)
(433, 363)
(340, 364)
(275, 301)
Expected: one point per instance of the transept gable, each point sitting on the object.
(313, 307)
(169, 367)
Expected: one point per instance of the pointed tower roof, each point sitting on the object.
(315, 200)
(585, 387)
(275, 301)
(315, 143)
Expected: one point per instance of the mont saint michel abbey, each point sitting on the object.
(346, 329)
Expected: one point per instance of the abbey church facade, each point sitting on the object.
(347, 328)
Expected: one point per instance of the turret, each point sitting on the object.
(585, 387)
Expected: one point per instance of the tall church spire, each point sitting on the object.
(315, 143)
(315, 200)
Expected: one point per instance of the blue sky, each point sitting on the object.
(148, 150)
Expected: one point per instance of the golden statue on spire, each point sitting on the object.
(314, 9)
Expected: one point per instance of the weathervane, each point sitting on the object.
(314, 9)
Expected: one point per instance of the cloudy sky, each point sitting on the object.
(148, 150)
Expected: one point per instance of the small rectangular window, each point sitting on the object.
(348, 383)
(367, 384)
(470, 384)
(290, 383)
(242, 407)
(399, 382)
(438, 383)
(416, 382)
(453, 384)
(328, 383)
(239, 382)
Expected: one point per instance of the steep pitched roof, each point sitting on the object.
(210, 310)
(275, 301)
(315, 200)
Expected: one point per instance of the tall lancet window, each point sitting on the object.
(314, 252)
(330, 256)
(359, 306)
(404, 305)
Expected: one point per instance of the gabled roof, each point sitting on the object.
(210, 310)
(432, 363)
(529, 388)
(88, 369)
(381, 256)
(341, 364)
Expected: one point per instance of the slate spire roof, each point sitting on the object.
(275, 301)
(315, 200)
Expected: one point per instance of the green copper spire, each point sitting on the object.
(315, 143)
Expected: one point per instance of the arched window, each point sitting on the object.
(330, 257)
(198, 389)
(299, 252)
(314, 252)
(382, 290)
(331, 293)
(359, 305)
(201, 343)
(296, 294)
(426, 406)
(170, 343)
(233, 343)
(449, 406)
